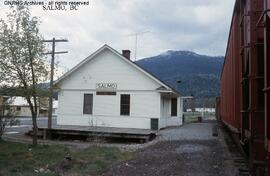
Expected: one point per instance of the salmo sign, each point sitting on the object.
(106, 86)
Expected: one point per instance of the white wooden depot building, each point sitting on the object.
(107, 89)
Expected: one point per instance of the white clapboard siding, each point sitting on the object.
(108, 67)
(106, 109)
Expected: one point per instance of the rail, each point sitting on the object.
(261, 17)
(266, 89)
(242, 19)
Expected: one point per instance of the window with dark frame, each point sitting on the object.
(174, 107)
(125, 104)
(18, 108)
(88, 104)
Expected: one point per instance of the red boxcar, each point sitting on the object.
(245, 80)
(266, 16)
(230, 79)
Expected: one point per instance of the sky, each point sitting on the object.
(201, 26)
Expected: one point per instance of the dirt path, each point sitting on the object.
(190, 150)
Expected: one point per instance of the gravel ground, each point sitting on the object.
(190, 150)
(192, 131)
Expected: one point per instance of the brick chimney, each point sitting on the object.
(126, 54)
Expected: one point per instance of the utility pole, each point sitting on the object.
(52, 53)
(136, 41)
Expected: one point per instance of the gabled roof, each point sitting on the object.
(86, 60)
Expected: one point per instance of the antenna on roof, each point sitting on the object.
(136, 35)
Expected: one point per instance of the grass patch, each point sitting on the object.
(95, 159)
(21, 159)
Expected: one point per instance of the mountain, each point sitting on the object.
(199, 74)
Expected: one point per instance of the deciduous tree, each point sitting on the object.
(21, 62)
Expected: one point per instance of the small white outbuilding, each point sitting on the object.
(107, 89)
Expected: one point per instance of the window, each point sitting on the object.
(163, 102)
(42, 111)
(18, 108)
(125, 104)
(88, 104)
(173, 107)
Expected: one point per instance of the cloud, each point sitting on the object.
(198, 25)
